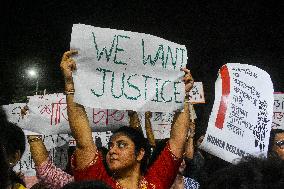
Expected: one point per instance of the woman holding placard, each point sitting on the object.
(128, 149)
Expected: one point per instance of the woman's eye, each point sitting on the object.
(121, 145)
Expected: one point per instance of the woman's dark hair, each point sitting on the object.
(203, 165)
(139, 141)
(12, 139)
(39, 185)
(157, 150)
(273, 133)
(94, 184)
(4, 168)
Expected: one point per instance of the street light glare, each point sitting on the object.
(32, 73)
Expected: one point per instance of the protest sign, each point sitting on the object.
(48, 115)
(278, 111)
(13, 112)
(241, 118)
(127, 70)
(196, 94)
(161, 122)
(100, 138)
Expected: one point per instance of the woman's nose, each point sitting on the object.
(113, 149)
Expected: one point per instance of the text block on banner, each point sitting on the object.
(126, 70)
(47, 115)
(161, 122)
(240, 121)
(278, 111)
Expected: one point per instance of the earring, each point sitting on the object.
(11, 164)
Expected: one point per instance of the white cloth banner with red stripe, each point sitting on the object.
(241, 118)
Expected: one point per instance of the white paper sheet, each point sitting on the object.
(127, 70)
(240, 121)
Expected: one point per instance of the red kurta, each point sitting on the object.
(160, 175)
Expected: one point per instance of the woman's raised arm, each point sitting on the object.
(79, 124)
(181, 121)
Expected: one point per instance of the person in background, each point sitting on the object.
(250, 173)
(149, 130)
(4, 165)
(276, 144)
(134, 122)
(183, 180)
(47, 173)
(12, 140)
(127, 150)
(39, 185)
(4, 168)
(202, 164)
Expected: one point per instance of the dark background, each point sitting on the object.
(36, 33)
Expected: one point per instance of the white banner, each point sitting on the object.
(48, 115)
(196, 94)
(13, 112)
(125, 70)
(241, 118)
(278, 111)
(162, 123)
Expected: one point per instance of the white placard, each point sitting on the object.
(162, 123)
(13, 112)
(48, 115)
(241, 118)
(125, 70)
(278, 111)
(100, 138)
(196, 94)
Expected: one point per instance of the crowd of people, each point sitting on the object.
(132, 161)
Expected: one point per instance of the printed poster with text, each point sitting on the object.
(240, 122)
(126, 70)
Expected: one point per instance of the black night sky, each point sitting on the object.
(36, 33)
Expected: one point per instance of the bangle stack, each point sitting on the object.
(69, 92)
(191, 135)
(186, 98)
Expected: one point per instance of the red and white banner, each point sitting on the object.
(240, 121)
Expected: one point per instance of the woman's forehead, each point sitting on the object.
(120, 136)
(279, 136)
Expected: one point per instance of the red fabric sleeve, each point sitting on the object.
(95, 171)
(164, 170)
